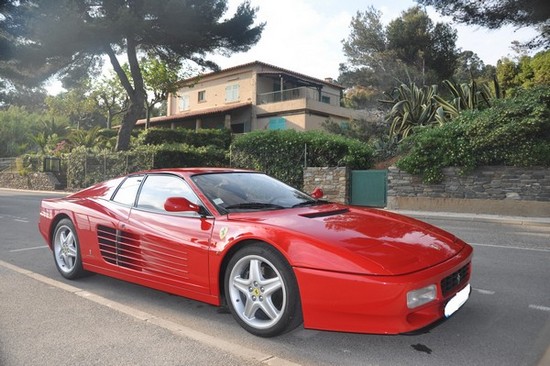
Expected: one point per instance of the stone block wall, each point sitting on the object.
(490, 182)
(32, 181)
(333, 181)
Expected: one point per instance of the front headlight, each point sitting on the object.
(421, 296)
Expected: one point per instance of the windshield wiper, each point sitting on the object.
(253, 206)
(310, 203)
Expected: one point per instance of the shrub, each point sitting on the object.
(284, 153)
(514, 131)
(220, 138)
(183, 155)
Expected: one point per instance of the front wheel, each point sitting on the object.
(262, 292)
(66, 250)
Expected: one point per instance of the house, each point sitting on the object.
(254, 96)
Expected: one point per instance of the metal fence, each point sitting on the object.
(83, 170)
(8, 164)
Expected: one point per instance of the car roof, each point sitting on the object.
(193, 171)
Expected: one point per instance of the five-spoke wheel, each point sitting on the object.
(66, 250)
(261, 291)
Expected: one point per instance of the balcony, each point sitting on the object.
(298, 93)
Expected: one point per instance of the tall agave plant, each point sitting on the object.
(412, 107)
(466, 96)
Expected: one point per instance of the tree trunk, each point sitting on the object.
(134, 112)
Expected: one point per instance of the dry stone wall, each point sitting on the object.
(334, 182)
(490, 182)
(33, 181)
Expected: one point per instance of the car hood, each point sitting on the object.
(357, 240)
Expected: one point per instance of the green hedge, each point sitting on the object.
(220, 138)
(515, 131)
(85, 167)
(283, 153)
(183, 155)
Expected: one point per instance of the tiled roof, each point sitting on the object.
(201, 112)
(275, 68)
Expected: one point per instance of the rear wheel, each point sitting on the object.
(66, 250)
(262, 292)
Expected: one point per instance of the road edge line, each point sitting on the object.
(175, 328)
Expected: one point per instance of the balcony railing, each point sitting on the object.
(298, 93)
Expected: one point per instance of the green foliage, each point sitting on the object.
(17, 126)
(495, 14)
(183, 155)
(284, 153)
(85, 167)
(69, 38)
(412, 107)
(526, 72)
(410, 48)
(466, 96)
(515, 131)
(92, 160)
(220, 138)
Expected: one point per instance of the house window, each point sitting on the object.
(325, 99)
(277, 123)
(232, 93)
(184, 102)
(202, 96)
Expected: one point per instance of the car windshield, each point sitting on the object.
(242, 191)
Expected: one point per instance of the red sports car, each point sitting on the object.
(275, 256)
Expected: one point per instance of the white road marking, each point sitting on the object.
(26, 249)
(21, 220)
(484, 292)
(510, 247)
(539, 307)
(178, 329)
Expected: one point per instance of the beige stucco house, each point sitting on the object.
(254, 96)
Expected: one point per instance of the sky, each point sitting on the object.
(306, 35)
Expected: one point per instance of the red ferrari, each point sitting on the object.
(276, 257)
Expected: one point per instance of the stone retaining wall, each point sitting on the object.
(33, 181)
(333, 181)
(495, 183)
(488, 190)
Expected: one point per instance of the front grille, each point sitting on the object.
(452, 281)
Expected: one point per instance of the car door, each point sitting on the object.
(167, 248)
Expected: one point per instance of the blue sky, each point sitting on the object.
(306, 35)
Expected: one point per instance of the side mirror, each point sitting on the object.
(180, 204)
(317, 193)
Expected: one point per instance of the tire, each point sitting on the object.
(66, 250)
(262, 292)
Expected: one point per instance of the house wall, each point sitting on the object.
(214, 88)
(293, 121)
(301, 114)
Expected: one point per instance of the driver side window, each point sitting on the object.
(157, 188)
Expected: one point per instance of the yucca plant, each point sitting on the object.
(412, 107)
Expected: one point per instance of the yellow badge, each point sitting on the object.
(223, 232)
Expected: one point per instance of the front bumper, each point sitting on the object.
(376, 304)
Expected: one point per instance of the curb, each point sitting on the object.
(512, 220)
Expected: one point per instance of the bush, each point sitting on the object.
(183, 155)
(284, 153)
(159, 136)
(514, 131)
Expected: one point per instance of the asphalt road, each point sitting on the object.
(47, 320)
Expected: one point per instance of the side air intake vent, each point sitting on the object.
(119, 247)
